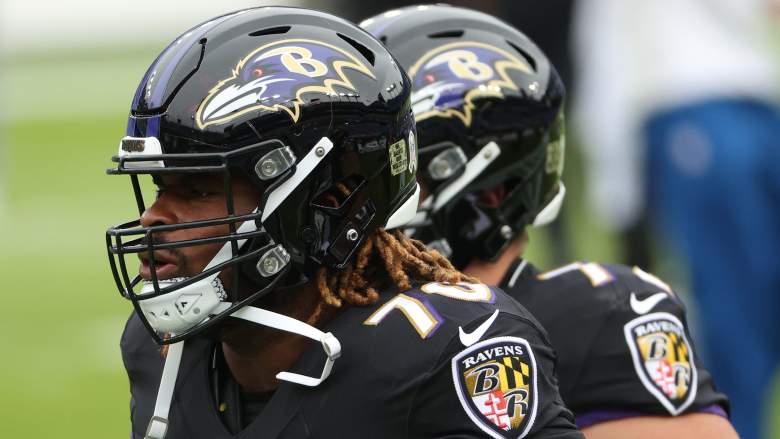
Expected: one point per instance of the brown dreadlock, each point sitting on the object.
(384, 255)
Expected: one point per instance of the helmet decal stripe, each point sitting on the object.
(143, 126)
(155, 81)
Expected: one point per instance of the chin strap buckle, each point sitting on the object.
(332, 348)
(157, 429)
(330, 344)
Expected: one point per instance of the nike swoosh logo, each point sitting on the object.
(469, 339)
(644, 306)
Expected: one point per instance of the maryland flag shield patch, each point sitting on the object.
(663, 359)
(496, 383)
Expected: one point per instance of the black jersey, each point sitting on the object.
(622, 341)
(438, 361)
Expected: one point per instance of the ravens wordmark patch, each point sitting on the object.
(663, 359)
(496, 383)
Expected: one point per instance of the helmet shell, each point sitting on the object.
(292, 75)
(478, 80)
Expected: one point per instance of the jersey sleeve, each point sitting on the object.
(495, 378)
(642, 360)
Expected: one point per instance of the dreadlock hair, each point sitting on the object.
(385, 255)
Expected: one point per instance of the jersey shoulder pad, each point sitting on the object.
(438, 355)
(437, 309)
(576, 276)
(577, 294)
(637, 292)
(605, 286)
(640, 335)
(494, 376)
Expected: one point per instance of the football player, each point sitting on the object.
(488, 106)
(282, 145)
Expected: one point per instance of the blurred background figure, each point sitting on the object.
(676, 105)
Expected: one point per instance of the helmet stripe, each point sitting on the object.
(156, 82)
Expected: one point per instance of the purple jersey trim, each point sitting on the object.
(714, 410)
(436, 316)
(592, 418)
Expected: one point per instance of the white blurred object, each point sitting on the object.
(637, 57)
(49, 25)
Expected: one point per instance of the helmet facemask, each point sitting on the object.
(174, 309)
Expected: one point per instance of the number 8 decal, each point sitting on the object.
(421, 315)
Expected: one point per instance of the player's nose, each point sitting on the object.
(161, 212)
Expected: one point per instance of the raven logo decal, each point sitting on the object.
(663, 359)
(276, 76)
(495, 380)
(447, 79)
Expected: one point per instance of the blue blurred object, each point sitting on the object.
(714, 167)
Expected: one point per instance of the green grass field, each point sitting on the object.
(60, 370)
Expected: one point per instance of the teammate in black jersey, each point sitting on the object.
(282, 145)
(489, 113)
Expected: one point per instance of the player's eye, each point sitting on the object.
(204, 194)
(201, 192)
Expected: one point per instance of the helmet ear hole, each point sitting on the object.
(344, 217)
(340, 195)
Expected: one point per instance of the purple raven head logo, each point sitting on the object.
(447, 79)
(276, 76)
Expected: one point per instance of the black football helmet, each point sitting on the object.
(299, 101)
(488, 106)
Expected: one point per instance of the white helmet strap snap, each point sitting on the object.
(330, 343)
